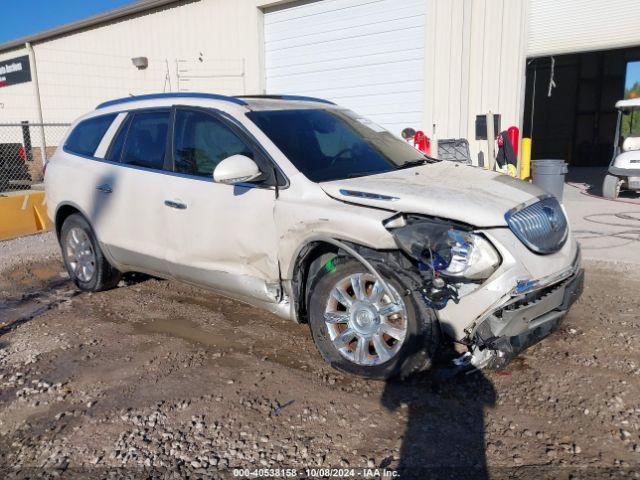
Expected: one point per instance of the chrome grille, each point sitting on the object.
(542, 226)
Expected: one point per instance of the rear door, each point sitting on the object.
(222, 236)
(129, 213)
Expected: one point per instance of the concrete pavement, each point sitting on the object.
(607, 230)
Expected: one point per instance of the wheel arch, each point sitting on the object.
(309, 257)
(64, 211)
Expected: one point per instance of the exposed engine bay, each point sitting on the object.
(447, 256)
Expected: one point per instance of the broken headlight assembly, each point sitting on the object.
(447, 255)
(472, 256)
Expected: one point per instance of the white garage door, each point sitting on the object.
(567, 26)
(367, 55)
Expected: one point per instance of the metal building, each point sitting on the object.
(429, 64)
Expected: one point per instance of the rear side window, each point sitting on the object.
(85, 138)
(147, 140)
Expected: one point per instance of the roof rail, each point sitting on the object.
(288, 97)
(154, 96)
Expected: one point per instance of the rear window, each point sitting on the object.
(85, 138)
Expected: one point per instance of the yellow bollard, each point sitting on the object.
(525, 159)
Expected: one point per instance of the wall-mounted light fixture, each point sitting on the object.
(140, 62)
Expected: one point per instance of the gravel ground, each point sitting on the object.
(160, 379)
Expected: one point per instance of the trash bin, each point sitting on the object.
(549, 175)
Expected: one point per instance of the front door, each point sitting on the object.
(222, 236)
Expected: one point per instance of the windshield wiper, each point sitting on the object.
(417, 162)
(413, 163)
(361, 174)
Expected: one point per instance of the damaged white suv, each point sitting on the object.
(310, 211)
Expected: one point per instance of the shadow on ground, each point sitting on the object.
(593, 177)
(444, 436)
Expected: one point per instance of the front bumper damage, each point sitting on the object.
(513, 321)
(523, 321)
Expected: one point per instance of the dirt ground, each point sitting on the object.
(156, 378)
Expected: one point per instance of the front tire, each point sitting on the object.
(359, 330)
(611, 186)
(83, 258)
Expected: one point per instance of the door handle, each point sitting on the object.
(176, 205)
(104, 188)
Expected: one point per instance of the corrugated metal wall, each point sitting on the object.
(475, 61)
(569, 26)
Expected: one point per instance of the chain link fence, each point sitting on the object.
(24, 147)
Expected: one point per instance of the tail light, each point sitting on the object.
(22, 153)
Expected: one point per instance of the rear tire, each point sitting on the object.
(611, 186)
(83, 258)
(398, 358)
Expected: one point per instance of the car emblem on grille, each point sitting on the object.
(552, 216)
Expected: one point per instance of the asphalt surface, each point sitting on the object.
(160, 379)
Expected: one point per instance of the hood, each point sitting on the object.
(445, 189)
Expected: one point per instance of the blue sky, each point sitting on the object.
(633, 74)
(24, 17)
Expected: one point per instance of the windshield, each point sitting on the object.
(335, 144)
(631, 123)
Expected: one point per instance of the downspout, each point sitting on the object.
(36, 93)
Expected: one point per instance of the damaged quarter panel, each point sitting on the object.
(304, 213)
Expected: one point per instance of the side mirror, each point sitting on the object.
(236, 169)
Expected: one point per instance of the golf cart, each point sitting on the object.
(624, 170)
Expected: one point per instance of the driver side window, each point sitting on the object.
(201, 141)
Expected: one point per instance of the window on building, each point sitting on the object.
(147, 139)
(85, 138)
(202, 141)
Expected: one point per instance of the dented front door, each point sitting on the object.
(221, 236)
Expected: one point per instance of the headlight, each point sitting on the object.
(472, 256)
(448, 249)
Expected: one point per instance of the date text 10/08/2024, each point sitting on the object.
(315, 473)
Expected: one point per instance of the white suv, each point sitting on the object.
(316, 214)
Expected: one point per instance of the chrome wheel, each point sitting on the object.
(364, 324)
(80, 255)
